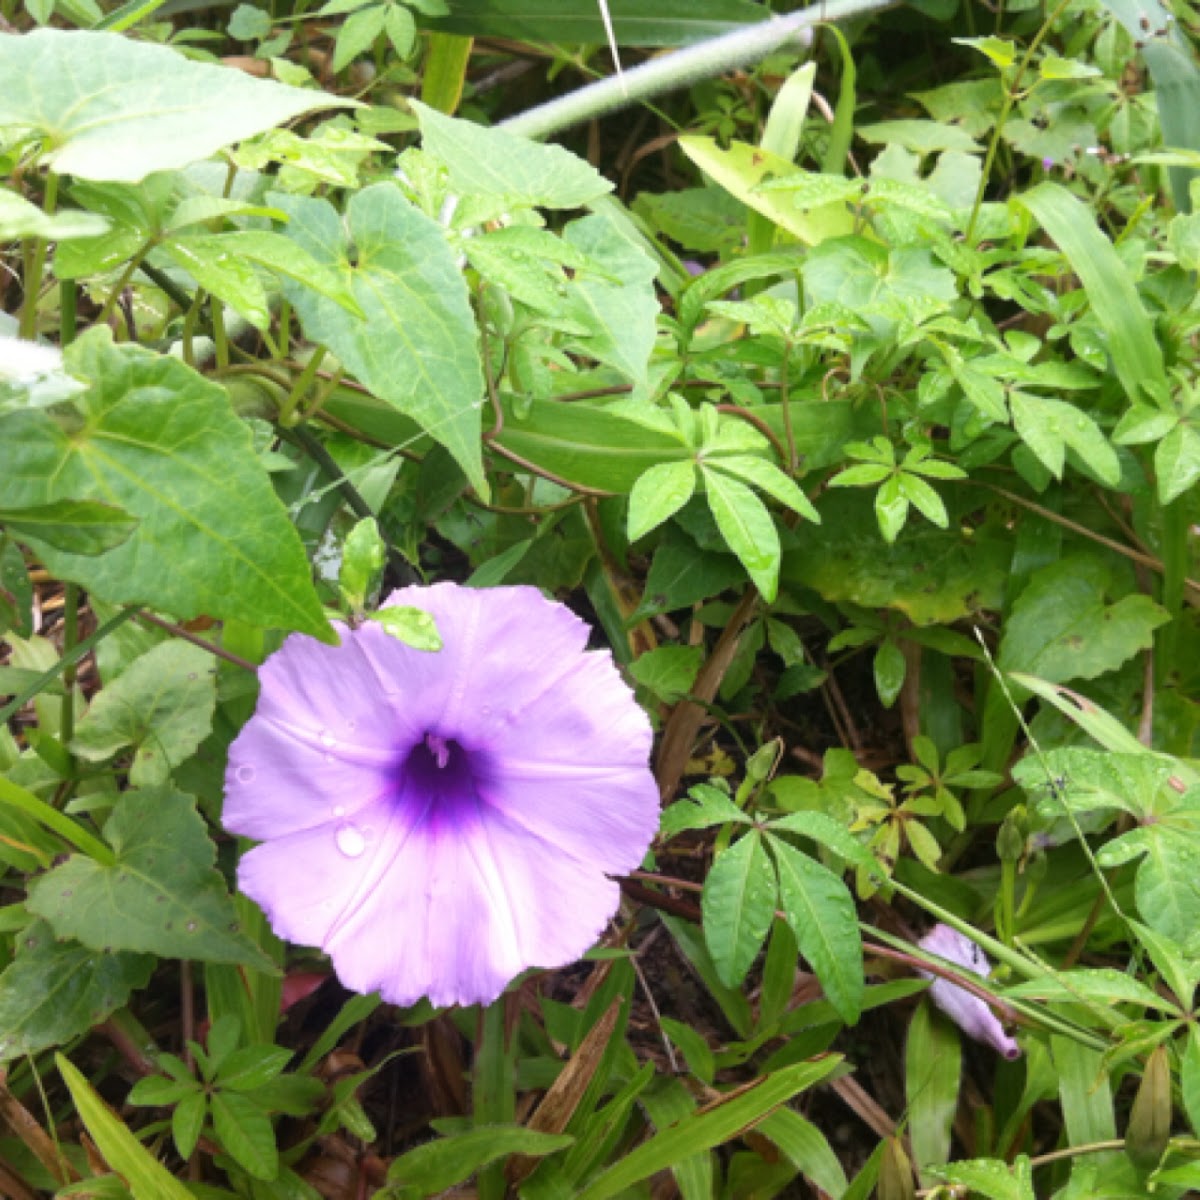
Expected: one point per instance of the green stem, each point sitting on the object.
(1010, 98)
(361, 509)
(36, 267)
(70, 637)
(792, 459)
(331, 386)
(287, 411)
(493, 1096)
(220, 340)
(131, 269)
(1084, 844)
(191, 321)
(165, 283)
(680, 69)
(1176, 532)
(81, 650)
(1040, 1015)
(1006, 910)
(285, 329)
(67, 323)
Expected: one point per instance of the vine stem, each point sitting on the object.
(287, 411)
(37, 266)
(1145, 560)
(70, 637)
(187, 636)
(77, 652)
(1011, 94)
(705, 60)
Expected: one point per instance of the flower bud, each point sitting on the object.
(1149, 1126)
(895, 1173)
(971, 1014)
(1010, 842)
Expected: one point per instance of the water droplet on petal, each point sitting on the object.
(244, 773)
(327, 738)
(339, 810)
(351, 725)
(350, 841)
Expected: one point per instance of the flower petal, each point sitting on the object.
(603, 817)
(587, 717)
(317, 741)
(501, 645)
(458, 916)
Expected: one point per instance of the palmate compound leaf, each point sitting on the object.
(162, 894)
(747, 528)
(821, 912)
(417, 348)
(110, 108)
(659, 494)
(53, 991)
(163, 443)
(162, 704)
(738, 904)
(244, 1131)
(704, 807)
(1050, 427)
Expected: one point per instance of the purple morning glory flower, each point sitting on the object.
(439, 822)
(965, 1009)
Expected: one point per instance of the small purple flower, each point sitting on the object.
(967, 1011)
(440, 822)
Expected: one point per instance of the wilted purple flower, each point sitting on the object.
(967, 1011)
(439, 822)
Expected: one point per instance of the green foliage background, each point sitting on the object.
(847, 382)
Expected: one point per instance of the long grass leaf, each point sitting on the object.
(1136, 356)
(147, 1178)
